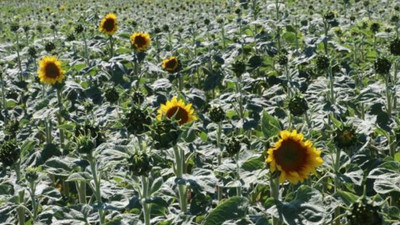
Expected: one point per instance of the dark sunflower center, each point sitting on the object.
(171, 63)
(180, 114)
(140, 41)
(52, 70)
(291, 155)
(109, 24)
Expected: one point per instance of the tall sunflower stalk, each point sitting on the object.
(140, 43)
(294, 164)
(182, 113)
(18, 54)
(3, 96)
(108, 25)
(50, 72)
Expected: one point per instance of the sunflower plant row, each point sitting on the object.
(157, 112)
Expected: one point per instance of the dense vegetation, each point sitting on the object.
(200, 112)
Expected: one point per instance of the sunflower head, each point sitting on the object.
(140, 41)
(171, 65)
(50, 70)
(177, 109)
(108, 24)
(293, 157)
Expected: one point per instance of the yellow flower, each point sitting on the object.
(108, 24)
(50, 70)
(182, 112)
(171, 65)
(293, 157)
(140, 41)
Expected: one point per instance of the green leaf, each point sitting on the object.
(231, 209)
(270, 125)
(79, 176)
(347, 197)
(306, 208)
(253, 163)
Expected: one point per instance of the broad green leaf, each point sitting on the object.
(231, 209)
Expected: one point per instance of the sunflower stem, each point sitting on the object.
(219, 131)
(19, 58)
(180, 82)
(20, 208)
(81, 189)
(238, 188)
(86, 48)
(3, 97)
(337, 183)
(388, 97)
(274, 189)
(59, 117)
(145, 196)
(111, 47)
(32, 186)
(180, 164)
(96, 180)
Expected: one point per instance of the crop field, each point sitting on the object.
(208, 112)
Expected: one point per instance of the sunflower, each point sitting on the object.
(293, 157)
(178, 109)
(140, 41)
(108, 24)
(50, 70)
(171, 65)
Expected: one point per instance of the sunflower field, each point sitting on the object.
(208, 112)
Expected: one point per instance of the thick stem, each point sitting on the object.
(388, 96)
(96, 180)
(145, 196)
(20, 209)
(19, 59)
(3, 98)
(239, 92)
(274, 189)
(219, 131)
(33, 199)
(337, 182)
(59, 118)
(239, 188)
(81, 188)
(180, 81)
(180, 163)
(86, 49)
(111, 47)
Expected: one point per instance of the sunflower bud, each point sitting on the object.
(9, 152)
(137, 120)
(239, 68)
(49, 151)
(375, 27)
(322, 62)
(79, 29)
(140, 164)
(112, 95)
(14, 27)
(329, 15)
(49, 46)
(71, 37)
(382, 65)
(137, 98)
(233, 145)
(283, 60)
(165, 134)
(394, 47)
(92, 130)
(31, 175)
(345, 137)
(217, 114)
(85, 145)
(364, 213)
(298, 105)
(32, 52)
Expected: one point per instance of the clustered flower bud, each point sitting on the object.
(382, 65)
(298, 105)
(217, 114)
(140, 164)
(9, 152)
(137, 120)
(165, 134)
